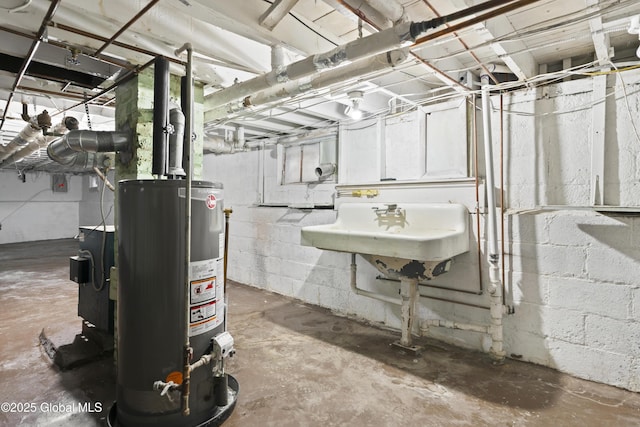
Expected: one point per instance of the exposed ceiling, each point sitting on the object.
(55, 55)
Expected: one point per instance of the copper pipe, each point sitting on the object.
(469, 11)
(127, 25)
(32, 51)
(473, 55)
(132, 48)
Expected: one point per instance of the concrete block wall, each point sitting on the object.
(570, 273)
(31, 211)
(575, 293)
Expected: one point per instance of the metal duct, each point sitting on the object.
(160, 115)
(176, 142)
(65, 149)
(325, 170)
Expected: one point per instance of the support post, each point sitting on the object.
(409, 295)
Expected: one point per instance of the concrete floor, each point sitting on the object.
(297, 365)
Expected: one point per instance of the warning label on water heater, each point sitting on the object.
(206, 294)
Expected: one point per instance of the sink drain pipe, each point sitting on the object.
(496, 307)
(493, 255)
(365, 293)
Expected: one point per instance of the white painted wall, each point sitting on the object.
(93, 198)
(30, 210)
(571, 273)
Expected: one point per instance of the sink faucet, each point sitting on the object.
(391, 209)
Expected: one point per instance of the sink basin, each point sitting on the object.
(410, 231)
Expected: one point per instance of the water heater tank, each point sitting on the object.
(151, 292)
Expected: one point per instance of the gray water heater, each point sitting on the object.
(151, 299)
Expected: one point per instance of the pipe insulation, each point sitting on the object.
(40, 141)
(330, 77)
(27, 135)
(66, 149)
(383, 41)
(390, 9)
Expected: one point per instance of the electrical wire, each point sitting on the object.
(104, 235)
(626, 101)
(307, 26)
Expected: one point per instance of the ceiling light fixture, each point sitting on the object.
(634, 28)
(353, 110)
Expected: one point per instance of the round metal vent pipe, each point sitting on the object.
(160, 115)
(65, 149)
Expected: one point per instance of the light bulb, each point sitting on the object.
(638, 52)
(355, 113)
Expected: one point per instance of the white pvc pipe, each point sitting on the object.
(493, 255)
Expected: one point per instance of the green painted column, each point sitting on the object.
(134, 113)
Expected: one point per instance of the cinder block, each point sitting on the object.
(307, 292)
(273, 265)
(634, 375)
(591, 363)
(552, 260)
(618, 336)
(280, 284)
(322, 276)
(590, 297)
(582, 228)
(335, 299)
(525, 346)
(295, 270)
(635, 234)
(527, 228)
(527, 287)
(560, 324)
(367, 308)
(635, 304)
(607, 264)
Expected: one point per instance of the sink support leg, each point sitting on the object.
(409, 295)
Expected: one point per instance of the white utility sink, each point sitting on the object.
(411, 231)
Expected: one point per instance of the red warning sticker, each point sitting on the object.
(211, 201)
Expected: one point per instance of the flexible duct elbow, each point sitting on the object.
(65, 149)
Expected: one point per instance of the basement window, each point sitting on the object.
(310, 161)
